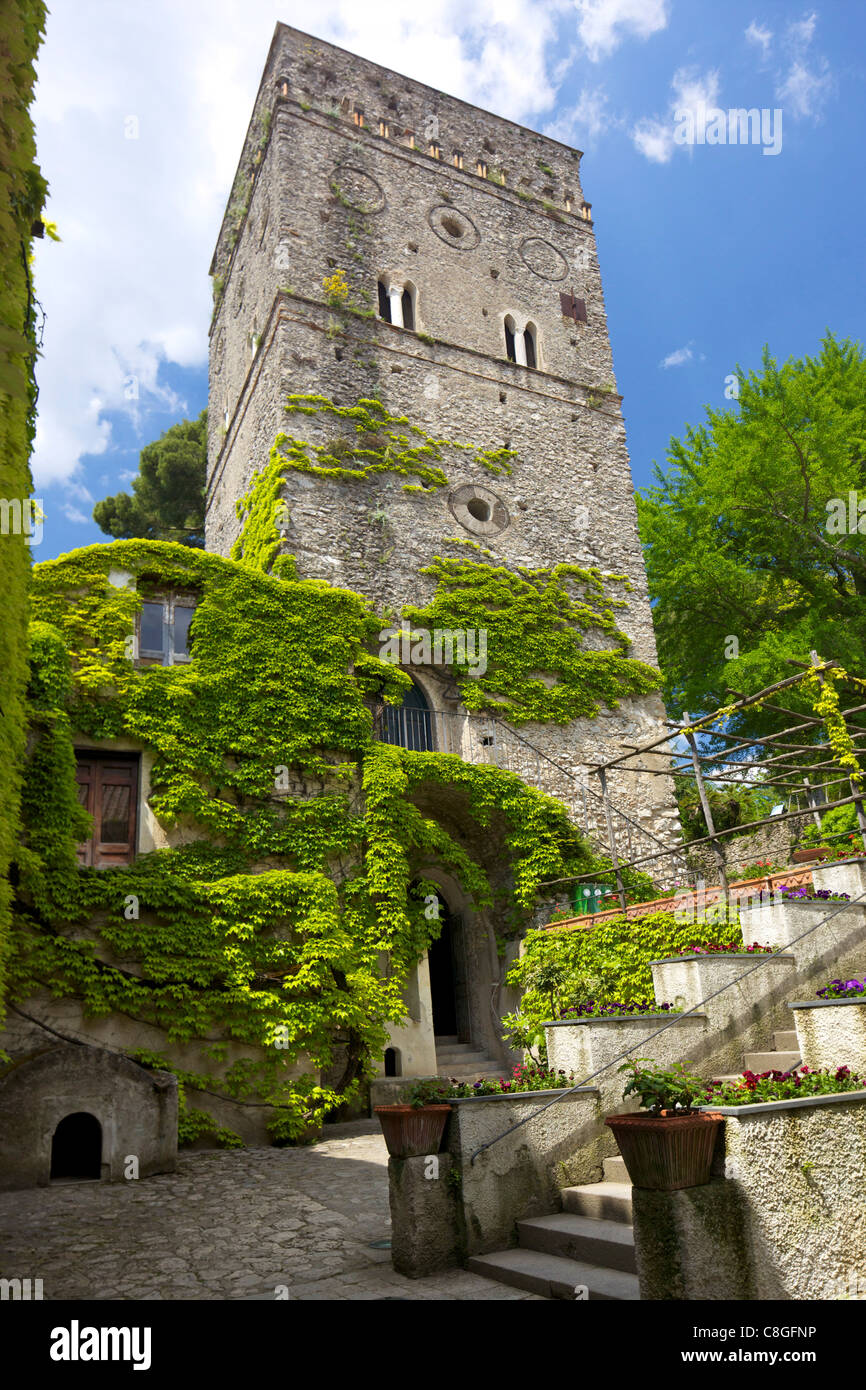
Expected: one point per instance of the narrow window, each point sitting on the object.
(435, 150)
(384, 302)
(529, 342)
(510, 351)
(457, 159)
(408, 309)
(358, 117)
(108, 789)
(383, 129)
(481, 168)
(410, 138)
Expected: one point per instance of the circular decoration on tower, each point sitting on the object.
(478, 509)
(356, 189)
(543, 259)
(454, 227)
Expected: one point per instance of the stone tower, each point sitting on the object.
(474, 310)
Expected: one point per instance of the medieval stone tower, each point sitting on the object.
(388, 243)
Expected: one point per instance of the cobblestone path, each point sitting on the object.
(227, 1225)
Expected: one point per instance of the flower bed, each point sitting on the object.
(800, 893)
(523, 1078)
(617, 1008)
(730, 948)
(757, 1088)
(842, 989)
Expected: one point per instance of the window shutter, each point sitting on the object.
(573, 308)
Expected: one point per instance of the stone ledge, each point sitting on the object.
(771, 1106)
(725, 955)
(823, 1003)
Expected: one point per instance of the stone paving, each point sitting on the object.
(236, 1224)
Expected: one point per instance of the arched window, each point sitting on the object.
(410, 725)
(409, 307)
(384, 302)
(510, 350)
(392, 1062)
(529, 339)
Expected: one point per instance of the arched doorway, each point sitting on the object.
(448, 986)
(409, 725)
(76, 1148)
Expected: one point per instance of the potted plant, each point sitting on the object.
(415, 1128)
(670, 1146)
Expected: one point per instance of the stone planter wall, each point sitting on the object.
(832, 1032)
(783, 1218)
(832, 949)
(520, 1176)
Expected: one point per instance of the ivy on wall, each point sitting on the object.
(259, 944)
(363, 440)
(22, 193)
(538, 666)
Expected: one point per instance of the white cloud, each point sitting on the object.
(583, 122)
(74, 514)
(694, 92)
(806, 85)
(763, 37)
(127, 291)
(678, 358)
(603, 24)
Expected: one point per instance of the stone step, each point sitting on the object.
(615, 1170)
(553, 1276)
(464, 1054)
(608, 1244)
(443, 1039)
(786, 1041)
(605, 1201)
(771, 1061)
(474, 1072)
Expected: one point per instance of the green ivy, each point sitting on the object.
(22, 193)
(535, 621)
(268, 928)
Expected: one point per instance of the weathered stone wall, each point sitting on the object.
(332, 194)
(774, 842)
(783, 1218)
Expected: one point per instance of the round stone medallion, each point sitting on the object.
(478, 509)
(356, 189)
(454, 227)
(543, 259)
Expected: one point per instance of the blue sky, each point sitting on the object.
(707, 251)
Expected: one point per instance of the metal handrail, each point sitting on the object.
(670, 1024)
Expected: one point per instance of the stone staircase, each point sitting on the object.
(465, 1061)
(588, 1245)
(784, 1056)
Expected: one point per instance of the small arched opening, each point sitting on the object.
(530, 339)
(76, 1148)
(510, 330)
(408, 302)
(384, 301)
(393, 1065)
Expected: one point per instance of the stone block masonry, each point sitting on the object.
(481, 227)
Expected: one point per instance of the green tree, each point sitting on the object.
(167, 502)
(749, 554)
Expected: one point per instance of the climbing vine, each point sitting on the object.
(538, 666)
(22, 192)
(249, 949)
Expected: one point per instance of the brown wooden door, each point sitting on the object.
(108, 789)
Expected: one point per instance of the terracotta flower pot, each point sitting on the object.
(810, 856)
(669, 1151)
(411, 1131)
